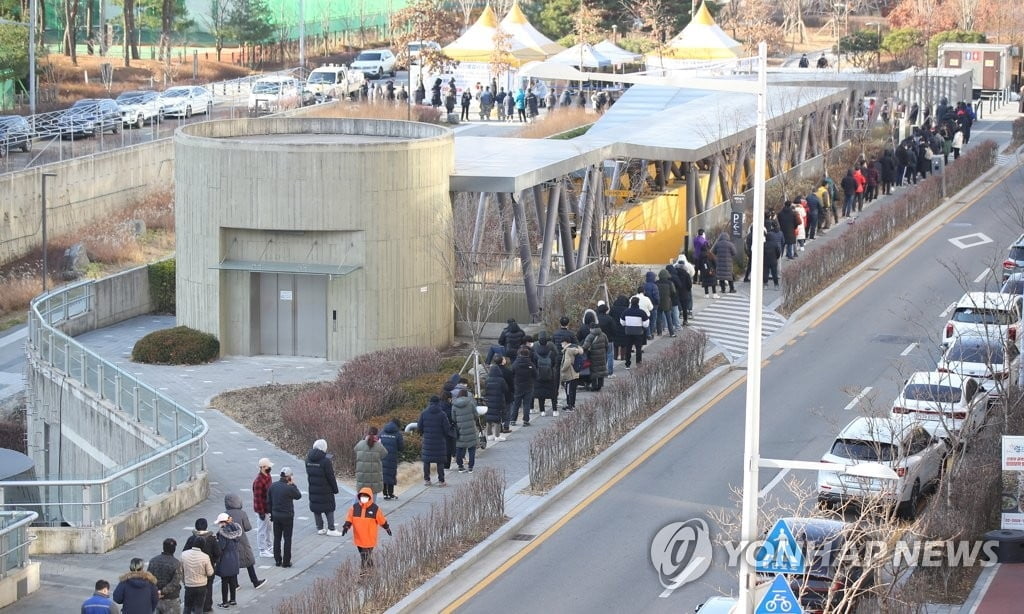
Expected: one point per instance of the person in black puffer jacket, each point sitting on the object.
(494, 395)
(506, 372)
(524, 374)
(136, 591)
(323, 485)
(548, 361)
(435, 427)
(392, 440)
(512, 337)
(619, 305)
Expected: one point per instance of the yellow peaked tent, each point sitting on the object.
(523, 32)
(703, 39)
(526, 44)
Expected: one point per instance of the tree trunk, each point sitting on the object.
(129, 31)
(90, 14)
(70, 21)
(166, 25)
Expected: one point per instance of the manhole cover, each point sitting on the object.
(522, 537)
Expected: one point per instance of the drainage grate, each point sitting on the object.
(522, 537)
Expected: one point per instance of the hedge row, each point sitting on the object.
(816, 269)
(162, 286)
(421, 547)
(562, 446)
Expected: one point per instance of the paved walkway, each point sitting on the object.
(234, 451)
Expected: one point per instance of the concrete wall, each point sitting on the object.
(85, 189)
(19, 583)
(115, 299)
(366, 193)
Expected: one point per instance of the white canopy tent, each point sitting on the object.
(582, 55)
(616, 54)
(523, 33)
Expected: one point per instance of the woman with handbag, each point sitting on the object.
(467, 427)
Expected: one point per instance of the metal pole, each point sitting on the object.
(46, 271)
(34, 10)
(302, 33)
(752, 424)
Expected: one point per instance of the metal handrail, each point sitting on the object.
(20, 526)
(67, 304)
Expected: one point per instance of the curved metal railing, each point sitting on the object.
(89, 502)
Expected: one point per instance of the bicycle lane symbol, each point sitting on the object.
(779, 599)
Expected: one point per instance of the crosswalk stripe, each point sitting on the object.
(1005, 159)
(725, 322)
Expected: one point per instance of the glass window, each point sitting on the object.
(931, 392)
(1017, 252)
(973, 315)
(976, 351)
(368, 57)
(860, 450)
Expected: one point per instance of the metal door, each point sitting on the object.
(990, 71)
(293, 314)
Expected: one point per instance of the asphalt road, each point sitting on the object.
(599, 560)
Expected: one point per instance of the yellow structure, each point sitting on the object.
(525, 43)
(703, 39)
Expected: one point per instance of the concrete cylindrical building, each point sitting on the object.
(314, 237)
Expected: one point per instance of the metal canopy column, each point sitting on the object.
(548, 244)
(525, 258)
(584, 225)
(716, 163)
(478, 226)
(506, 223)
(805, 131)
(691, 190)
(565, 230)
(538, 199)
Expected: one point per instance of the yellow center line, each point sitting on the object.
(511, 562)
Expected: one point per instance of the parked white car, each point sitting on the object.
(331, 81)
(948, 402)
(273, 94)
(375, 63)
(985, 314)
(904, 445)
(186, 100)
(139, 107)
(990, 361)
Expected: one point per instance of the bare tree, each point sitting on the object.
(131, 50)
(220, 14)
(650, 18)
(70, 30)
(501, 60)
(466, 6)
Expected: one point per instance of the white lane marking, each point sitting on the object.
(857, 398)
(983, 275)
(972, 240)
(770, 485)
(945, 312)
(910, 348)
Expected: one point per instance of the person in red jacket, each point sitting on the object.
(862, 181)
(260, 486)
(364, 518)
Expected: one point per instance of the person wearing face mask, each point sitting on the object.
(364, 518)
(260, 486)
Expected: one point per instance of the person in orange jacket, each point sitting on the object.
(364, 517)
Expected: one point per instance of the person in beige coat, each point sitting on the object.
(569, 376)
(196, 570)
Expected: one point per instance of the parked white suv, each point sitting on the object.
(375, 63)
(139, 107)
(273, 94)
(901, 444)
(950, 403)
(991, 315)
(990, 361)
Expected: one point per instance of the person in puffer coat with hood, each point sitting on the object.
(228, 564)
(435, 427)
(323, 485)
(668, 298)
(724, 252)
(549, 363)
(392, 440)
(468, 425)
(619, 306)
(364, 518)
(512, 337)
(136, 592)
(370, 462)
(650, 289)
(596, 347)
(494, 395)
(246, 558)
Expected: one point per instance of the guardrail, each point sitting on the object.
(14, 538)
(95, 502)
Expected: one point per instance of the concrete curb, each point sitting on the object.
(614, 452)
(973, 601)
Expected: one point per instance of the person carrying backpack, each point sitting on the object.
(572, 364)
(548, 361)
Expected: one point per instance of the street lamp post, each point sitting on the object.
(302, 34)
(46, 271)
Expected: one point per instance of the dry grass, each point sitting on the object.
(555, 122)
(345, 109)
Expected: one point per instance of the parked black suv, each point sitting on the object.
(15, 133)
(90, 116)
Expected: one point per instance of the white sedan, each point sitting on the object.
(186, 101)
(904, 445)
(948, 402)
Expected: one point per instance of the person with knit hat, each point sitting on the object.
(323, 485)
(370, 455)
(260, 486)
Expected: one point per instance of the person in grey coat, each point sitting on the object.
(467, 425)
(724, 252)
(370, 455)
(246, 558)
